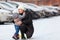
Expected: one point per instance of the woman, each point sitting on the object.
(23, 22)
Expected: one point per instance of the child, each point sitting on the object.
(17, 17)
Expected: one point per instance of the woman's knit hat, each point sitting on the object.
(21, 7)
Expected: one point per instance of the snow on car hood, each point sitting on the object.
(2, 10)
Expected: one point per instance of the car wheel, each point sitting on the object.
(1, 22)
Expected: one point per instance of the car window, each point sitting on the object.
(32, 5)
(13, 4)
(6, 5)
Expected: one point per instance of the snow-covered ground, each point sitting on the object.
(45, 29)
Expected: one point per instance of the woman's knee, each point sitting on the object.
(29, 34)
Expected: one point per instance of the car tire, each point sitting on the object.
(1, 22)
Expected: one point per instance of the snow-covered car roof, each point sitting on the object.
(6, 7)
(32, 4)
(49, 8)
(8, 4)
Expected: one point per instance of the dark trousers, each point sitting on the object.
(28, 30)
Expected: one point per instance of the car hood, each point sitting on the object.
(2, 10)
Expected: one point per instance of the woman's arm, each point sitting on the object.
(28, 20)
(17, 21)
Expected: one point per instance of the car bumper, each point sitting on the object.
(5, 18)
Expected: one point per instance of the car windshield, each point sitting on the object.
(6, 5)
(32, 5)
(13, 4)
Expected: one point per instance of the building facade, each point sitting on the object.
(42, 2)
(39, 2)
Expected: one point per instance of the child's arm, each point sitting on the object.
(16, 19)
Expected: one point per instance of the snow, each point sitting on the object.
(45, 29)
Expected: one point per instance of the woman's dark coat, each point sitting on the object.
(27, 26)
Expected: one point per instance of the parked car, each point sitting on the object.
(5, 16)
(6, 7)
